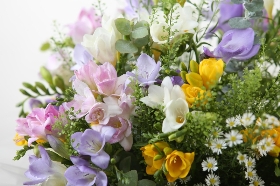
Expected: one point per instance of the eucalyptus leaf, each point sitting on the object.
(123, 26)
(253, 6)
(277, 171)
(58, 146)
(146, 182)
(239, 23)
(45, 46)
(125, 164)
(130, 179)
(141, 41)
(255, 14)
(141, 24)
(237, 1)
(139, 32)
(54, 156)
(124, 46)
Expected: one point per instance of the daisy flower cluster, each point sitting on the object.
(157, 92)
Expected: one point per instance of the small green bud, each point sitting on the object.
(113, 161)
(36, 151)
(183, 67)
(194, 66)
(179, 139)
(276, 161)
(167, 150)
(183, 76)
(158, 157)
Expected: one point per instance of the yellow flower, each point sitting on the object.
(19, 140)
(149, 152)
(211, 70)
(178, 165)
(194, 79)
(192, 93)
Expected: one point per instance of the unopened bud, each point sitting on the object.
(167, 150)
(158, 157)
(194, 66)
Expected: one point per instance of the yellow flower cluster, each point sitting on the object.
(202, 78)
(159, 156)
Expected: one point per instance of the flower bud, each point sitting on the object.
(194, 66)
(276, 161)
(158, 157)
(183, 76)
(194, 79)
(183, 67)
(167, 150)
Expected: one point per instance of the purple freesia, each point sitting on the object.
(35, 103)
(91, 142)
(147, 70)
(82, 174)
(81, 57)
(228, 10)
(236, 44)
(43, 169)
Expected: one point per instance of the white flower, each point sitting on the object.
(231, 122)
(101, 45)
(185, 180)
(247, 119)
(272, 120)
(182, 21)
(250, 162)
(256, 181)
(234, 138)
(217, 145)
(209, 165)
(250, 173)
(241, 157)
(217, 132)
(265, 145)
(268, 5)
(175, 113)
(212, 180)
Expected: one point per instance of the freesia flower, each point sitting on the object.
(268, 5)
(147, 70)
(236, 44)
(149, 152)
(81, 57)
(86, 24)
(193, 93)
(210, 71)
(91, 143)
(178, 165)
(43, 170)
(81, 173)
(38, 123)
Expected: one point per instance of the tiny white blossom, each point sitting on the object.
(247, 119)
(272, 120)
(171, 184)
(250, 174)
(257, 181)
(233, 138)
(185, 180)
(241, 157)
(217, 132)
(209, 165)
(265, 145)
(231, 122)
(217, 145)
(212, 180)
(250, 162)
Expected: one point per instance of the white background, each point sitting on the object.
(24, 26)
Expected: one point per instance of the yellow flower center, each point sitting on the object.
(249, 163)
(218, 146)
(209, 165)
(179, 119)
(233, 138)
(256, 183)
(212, 181)
(250, 174)
(231, 123)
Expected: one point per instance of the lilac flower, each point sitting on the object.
(82, 174)
(236, 44)
(147, 70)
(92, 142)
(35, 103)
(44, 170)
(81, 57)
(228, 10)
(177, 80)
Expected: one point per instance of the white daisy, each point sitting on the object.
(265, 145)
(209, 165)
(247, 119)
(199, 184)
(185, 180)
(241, 157)
(212, 180)
(217, 145)
(231, 122)
(257, 181)
(217, 132)
(250, 162)
(233, 138)
(272, 120)
(250, 174)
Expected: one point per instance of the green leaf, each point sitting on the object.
(125, 164)
(54, 156)
(24, 92)
(141, 24)
(42, 87)
(139, 33)
(58, 146)
(46, 75)
(124, 46)
(146, 182)
(277, 171)
(129, 179)
(237, 1)
(253, 6)
(141, 41)
(123, 26)
(45, 46)
(239, 23)
(255, 14)
(30, 87)
(58, 82)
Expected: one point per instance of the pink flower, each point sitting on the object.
(86, 24)
(98, 114)
(38, 123)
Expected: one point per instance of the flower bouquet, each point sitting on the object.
(153, 93)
